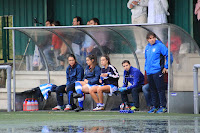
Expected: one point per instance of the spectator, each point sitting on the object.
(157, 11)
(136, 78)
(153, 50)
(56, 44)
(139, 16)
(91, 78)
(45, 47)
(175, 47)
(109, 80)
(101, 37)
(76, 41)
(74, 72)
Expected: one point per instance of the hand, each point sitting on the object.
(66, 89)
(121, 89)
(164, 70)
(135, 3)
(100, 81)
(104, 75)
(86, 81)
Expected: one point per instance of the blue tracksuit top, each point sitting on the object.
(74, 73)
(152, 57)
(93, 76)
(134, 76)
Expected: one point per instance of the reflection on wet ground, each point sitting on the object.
(115, 126)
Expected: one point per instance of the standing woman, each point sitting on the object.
(74, 72)
(109, 79)
(91, 78)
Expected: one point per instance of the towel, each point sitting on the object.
(45, 89)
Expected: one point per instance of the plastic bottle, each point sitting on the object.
(32, 105)
(25, 105)
(28, 105)
(36, 105)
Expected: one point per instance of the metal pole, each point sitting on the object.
(169, 68)
(9, 89)
(195, 79)
(14, 82)
(8, 86)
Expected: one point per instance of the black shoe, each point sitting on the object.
(59, 68)
(77, 95)
(42, 69)
(78, 109)
(61, 57)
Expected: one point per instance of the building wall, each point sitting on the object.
(23, 12)
(107, 11)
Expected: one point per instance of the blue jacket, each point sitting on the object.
(92, 77)
(74, 73)
(134, 76)
(152, 57)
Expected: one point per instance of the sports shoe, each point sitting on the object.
(98, 108)
(78, 109)
(77, 95)
(152, 110)
(61, 57)
(57, 108)
(122, 106)
(68, 107)
(59, 68)
(134, 108)
(161, 110)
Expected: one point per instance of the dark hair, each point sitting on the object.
(93, 57)
(56, 23)
(79, 19)
(96, 20)
(49, 20)
(126, 61)
(107, 58)
(73, 56)
(150, 34)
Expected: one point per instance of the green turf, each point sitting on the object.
(42, 116)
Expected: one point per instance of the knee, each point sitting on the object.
(99, 90)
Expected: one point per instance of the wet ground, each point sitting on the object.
(108, 124)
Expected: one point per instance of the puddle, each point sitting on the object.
(113, 126)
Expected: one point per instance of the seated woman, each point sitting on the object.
(74, 72)
(109, 79)
(91, 78)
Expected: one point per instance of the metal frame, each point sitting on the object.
(105, 26)
(195, 79)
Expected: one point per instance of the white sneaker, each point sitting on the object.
(139, 51)
(68, 107)
(98, 108)
(57, 108)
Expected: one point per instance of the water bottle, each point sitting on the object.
(32, 105)
(36, 105)
(28, 105)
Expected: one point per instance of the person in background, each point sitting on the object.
(74, 72)
(139, 16)
(109, 80)
(45, 47)
(136, 78)
(56, 46)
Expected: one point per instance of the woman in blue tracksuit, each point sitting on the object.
(153, 50)
(109, 80)
(91, 78)
(74, 72)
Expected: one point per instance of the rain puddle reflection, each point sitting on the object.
(115, 126)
